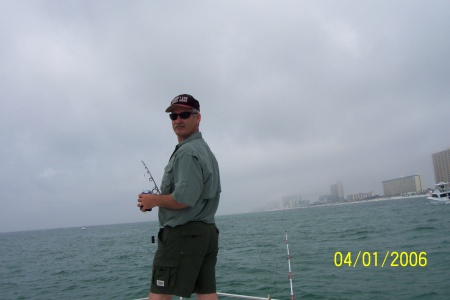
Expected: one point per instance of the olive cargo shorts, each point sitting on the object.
(185, 260)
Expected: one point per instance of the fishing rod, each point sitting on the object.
(289, 263)
(155, 189)
(273, 282)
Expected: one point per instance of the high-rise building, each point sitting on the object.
(293, 201)
(441, 164)
(337, 191)
(403, 185)
(359, 196)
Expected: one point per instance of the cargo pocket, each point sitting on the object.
(165, 275)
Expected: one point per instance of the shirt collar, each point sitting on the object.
(194, 136)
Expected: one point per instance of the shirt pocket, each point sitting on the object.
(168, 181)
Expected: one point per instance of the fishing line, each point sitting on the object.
(273, 281)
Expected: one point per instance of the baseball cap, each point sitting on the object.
(185, 100)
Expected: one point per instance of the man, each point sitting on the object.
(185, 260)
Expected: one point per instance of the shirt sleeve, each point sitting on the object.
(188, 179)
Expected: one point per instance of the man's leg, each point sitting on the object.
(207, 296)
(153, 296)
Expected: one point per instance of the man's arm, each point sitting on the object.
(147, 201)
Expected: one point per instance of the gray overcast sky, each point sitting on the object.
(295, 95)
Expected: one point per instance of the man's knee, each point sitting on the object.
(153, 296)
(207, 296)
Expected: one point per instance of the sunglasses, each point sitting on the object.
(183, 115)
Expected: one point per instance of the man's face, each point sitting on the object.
(183, 128)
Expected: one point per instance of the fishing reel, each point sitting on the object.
(155, 189)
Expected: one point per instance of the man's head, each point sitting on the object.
(185, 115)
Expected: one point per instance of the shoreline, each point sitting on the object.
(354, 202)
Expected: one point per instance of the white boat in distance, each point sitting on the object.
(441, 195)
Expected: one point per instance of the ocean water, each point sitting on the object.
(114, 261)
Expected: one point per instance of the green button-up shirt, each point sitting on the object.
(192, 177)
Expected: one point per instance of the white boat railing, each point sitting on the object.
(233, 296)
(253, 297)
(243, 296)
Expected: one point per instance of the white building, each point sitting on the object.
(403, 185)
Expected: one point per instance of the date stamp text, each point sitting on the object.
(376, 259)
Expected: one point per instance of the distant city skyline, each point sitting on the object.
(409, 183)
(403, 185)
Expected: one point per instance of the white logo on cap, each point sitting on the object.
(179, 99)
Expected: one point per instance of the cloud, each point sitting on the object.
(294, 97)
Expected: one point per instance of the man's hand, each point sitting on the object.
(148, 201)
